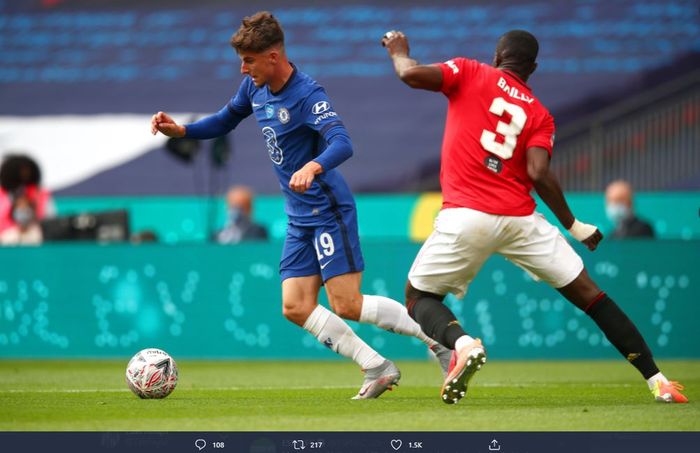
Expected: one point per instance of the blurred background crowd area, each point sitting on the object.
(79, 80)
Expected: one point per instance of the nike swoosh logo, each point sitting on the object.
(323, 266)
(255, 106)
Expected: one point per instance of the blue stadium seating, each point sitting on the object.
(128, 56)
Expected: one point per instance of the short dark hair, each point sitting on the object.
(258, 33)
(518, 47)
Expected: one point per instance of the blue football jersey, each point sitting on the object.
(292, 122)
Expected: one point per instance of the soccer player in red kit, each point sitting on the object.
(496, 147)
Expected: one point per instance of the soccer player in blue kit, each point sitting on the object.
(306, 141)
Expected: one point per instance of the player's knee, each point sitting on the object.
(347, 306)
(291, 314)
(295, 312)
(581, 291)
(413, 297)
(411, 293)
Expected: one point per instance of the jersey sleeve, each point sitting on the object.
(241, 103)
(319, 112)
(543, 136)
(225, 120)
(456, 72)
(321, 117)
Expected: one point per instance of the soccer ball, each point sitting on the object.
(151, 373)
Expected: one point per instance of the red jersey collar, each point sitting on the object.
(516, 77)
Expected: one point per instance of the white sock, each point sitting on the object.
(651, 382)
(463, 341)
(334, 333)
(392, 316)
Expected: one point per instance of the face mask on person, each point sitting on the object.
(23, 216)
(234, 215)
(617, 212)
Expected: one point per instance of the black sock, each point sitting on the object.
(435, 319)
(622, 333)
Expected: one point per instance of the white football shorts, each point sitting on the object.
(463, 239)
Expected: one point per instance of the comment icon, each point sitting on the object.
(201, 444)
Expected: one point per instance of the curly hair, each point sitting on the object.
(258, 33)
(18, 170)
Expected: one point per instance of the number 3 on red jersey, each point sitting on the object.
(509, 131)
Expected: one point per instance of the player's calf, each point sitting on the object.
(344, 295)
(434, 318)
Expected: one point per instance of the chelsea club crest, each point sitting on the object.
(283, 115)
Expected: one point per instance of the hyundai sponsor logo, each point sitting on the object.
(320, 107)
(325, 116)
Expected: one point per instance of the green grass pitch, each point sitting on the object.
(315, 396)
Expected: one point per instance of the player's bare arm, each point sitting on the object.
(163, 123)
(548, 188)
(302, 179)
(424, 77)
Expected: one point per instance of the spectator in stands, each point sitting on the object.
(25, 229)
(21, 173)
(144, 237)
(239, 223)
(620, 211)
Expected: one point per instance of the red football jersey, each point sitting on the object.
(492, 119)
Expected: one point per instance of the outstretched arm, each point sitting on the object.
(212, 126)
(216, 125)
(163, 123)
(548, 188)
(424, 77)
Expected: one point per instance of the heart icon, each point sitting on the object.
(396, 444)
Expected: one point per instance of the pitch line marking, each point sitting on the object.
(325, 387)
